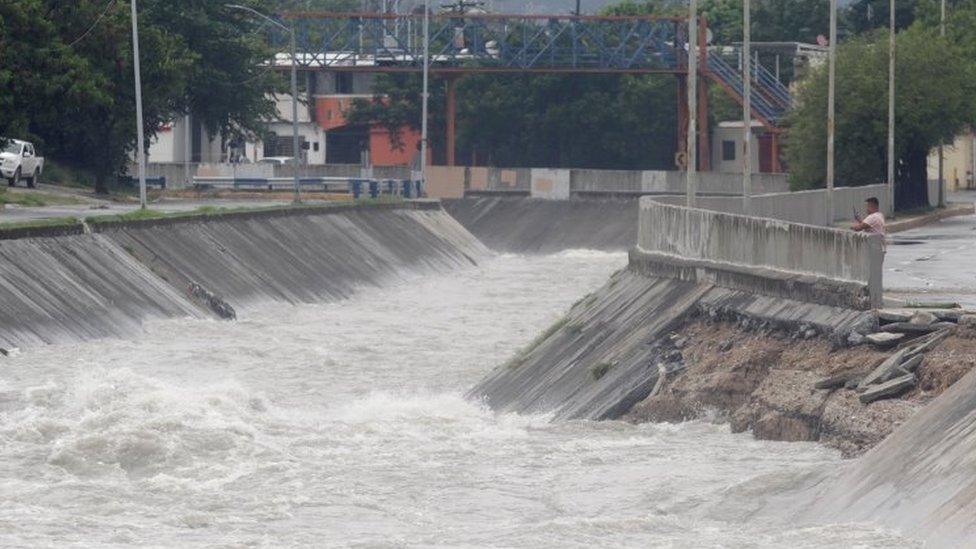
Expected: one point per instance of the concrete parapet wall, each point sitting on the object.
(550, 184)
(808, 207)
(671, 182)
(768, 256)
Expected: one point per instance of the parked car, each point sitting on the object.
(18, 161)
(276, 160)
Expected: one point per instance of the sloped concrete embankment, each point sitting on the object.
(920, 480)
(84, 286)
(537, 226)
(296, 256)
(610, 351)
(77, 287)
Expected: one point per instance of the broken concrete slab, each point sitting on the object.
(884, 340)
(883, 371)
(836, 381)
(916, 329)
(912, 364)
(887, 316)
(888, 389)
(932, 305)
(967, 320)
(923, 318)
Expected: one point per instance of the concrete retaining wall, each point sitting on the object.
(919, 480)
(767, 256)
(808, 207)
(550, 184)
(527, 225)
(660, 182)
(74, 287)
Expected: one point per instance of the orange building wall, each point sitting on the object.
(330, 111)
(330, 115)
(381, 149)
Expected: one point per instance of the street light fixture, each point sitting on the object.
(294, 89)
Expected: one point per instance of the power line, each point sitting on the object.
(101, 16)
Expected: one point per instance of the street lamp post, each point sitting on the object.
(891, 108)
(942, 33)
(140, 128)
(831, 87)
(426, 95)
(296, 153)
(692, 157)
(746, 108)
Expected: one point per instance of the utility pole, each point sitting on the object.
(140, 128)
(426, 95)
(692, 184)
(747, 108)
(942, 202)
(577, 8)
(296, 152)
(187, 150)
(891, 109)
(295, 147)
(831, 99)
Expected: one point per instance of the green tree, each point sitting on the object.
(68, 78)
(933, 104)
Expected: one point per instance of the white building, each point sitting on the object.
(185, 140)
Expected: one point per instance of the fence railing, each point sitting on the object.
(355, 186)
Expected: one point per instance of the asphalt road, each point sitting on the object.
(935, 262)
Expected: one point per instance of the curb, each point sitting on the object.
(957, 210)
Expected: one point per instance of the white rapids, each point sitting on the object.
(344, 425)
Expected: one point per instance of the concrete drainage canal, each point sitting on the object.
(349, 419)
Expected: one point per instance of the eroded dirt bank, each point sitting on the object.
(765, 380)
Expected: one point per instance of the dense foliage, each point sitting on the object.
(66, 77)
(935, 100)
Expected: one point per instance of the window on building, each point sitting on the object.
(281, 145)
(343, 82)
(728, 151)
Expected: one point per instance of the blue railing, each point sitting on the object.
(356, 186)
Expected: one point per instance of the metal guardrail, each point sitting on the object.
(355, 186)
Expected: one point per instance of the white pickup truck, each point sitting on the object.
(19, 161)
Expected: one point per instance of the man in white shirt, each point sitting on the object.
(874, 223)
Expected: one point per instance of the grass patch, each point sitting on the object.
(522, 355)
(36, 199)
(600, 369)
(134, 215)
(41, 223)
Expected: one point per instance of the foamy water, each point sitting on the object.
(344, 425)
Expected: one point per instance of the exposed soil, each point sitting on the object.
(765, 382)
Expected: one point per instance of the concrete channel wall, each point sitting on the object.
(591, 183)
(792, 260)
(607, 354)
(59, 286)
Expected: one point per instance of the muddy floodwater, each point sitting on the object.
(345, 425)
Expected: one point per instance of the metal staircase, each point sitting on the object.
(770, 98)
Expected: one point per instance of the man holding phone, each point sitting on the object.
(874, 223)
